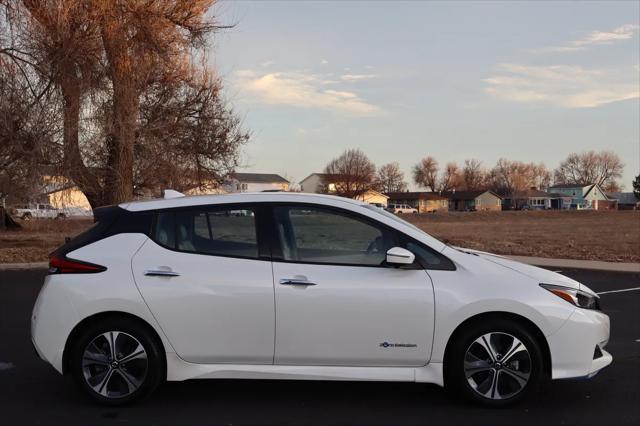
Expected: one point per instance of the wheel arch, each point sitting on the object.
(102, 316)
(509, 316)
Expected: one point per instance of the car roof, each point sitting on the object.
(243, 197)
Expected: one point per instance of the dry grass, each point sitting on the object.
(608, 236)
(38, 238)
(590, 235)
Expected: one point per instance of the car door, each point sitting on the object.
(337, 304)
(207, 280)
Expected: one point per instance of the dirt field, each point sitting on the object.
(591, 235)
(608, 236)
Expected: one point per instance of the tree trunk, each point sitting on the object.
(119, 177)
(72, 161)
(119, 174)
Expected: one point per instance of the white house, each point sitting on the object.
(256, 182)
(314, 182)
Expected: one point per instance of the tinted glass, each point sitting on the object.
(223, 232)
(317, 235)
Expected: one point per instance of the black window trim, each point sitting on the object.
(261, 215)
(400, 238)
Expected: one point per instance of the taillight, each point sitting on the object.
(61, 265)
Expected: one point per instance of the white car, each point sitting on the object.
(401, 208)
(47, 211)
(303, 286)
(38, 211)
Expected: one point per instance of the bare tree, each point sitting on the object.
(351, 174)
(473, 175)
(390, 178)
(143, 41)
(188, 136)
(124, 76)
(425, 173)
(451, 178)
(27, 127)
(604, 168)
(510, 177)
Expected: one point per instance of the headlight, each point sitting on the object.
(577, 298)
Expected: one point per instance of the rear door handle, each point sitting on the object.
(161, 273)
(296, 281)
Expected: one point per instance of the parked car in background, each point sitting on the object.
(401, 208)
(38, 211)
(47, 211)
(378, 205)
(182, 288)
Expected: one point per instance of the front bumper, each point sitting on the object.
(573, 346)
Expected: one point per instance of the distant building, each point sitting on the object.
(626, 200)
(316, 182)
(374, 197)
(424, 202)
(478, 200)
(255, 182)
(585, 196)
(61, 193)
(326, 183)
(535, 199)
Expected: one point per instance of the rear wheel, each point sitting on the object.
(117, 361)
(495, 363)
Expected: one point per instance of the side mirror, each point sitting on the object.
(400, 256)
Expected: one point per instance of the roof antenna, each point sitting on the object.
(170, 193)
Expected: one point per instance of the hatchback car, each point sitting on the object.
(302, 286)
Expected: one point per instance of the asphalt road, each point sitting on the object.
(31, 392)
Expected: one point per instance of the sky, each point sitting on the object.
(529, 81)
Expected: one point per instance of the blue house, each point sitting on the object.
(585, 196)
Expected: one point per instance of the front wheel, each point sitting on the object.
(117, 361)
(496, 363)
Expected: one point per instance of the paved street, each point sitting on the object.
(31, 392)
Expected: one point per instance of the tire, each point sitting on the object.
(61, 216)
(117, 382)
(26, 216)
(516, 360)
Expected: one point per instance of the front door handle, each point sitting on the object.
(161, 273)
(296, 281)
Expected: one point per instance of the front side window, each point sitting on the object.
(317, 235)
(215, 231)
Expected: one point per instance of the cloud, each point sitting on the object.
(324, 62)
(356, 77)
(302, 90)
(561, 85)
(594, 38)
(266, 64)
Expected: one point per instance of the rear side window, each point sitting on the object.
(214, 231)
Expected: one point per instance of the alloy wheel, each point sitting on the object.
(497, 365)
(115, 364)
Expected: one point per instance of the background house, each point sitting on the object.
(315, 183)
(585, 196)
(255, 182)
(530, 199)
(424, 202)
(626, 200)
(473, 200)
(374, 197)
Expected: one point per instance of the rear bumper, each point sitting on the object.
(52, 319)
(573, 346)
